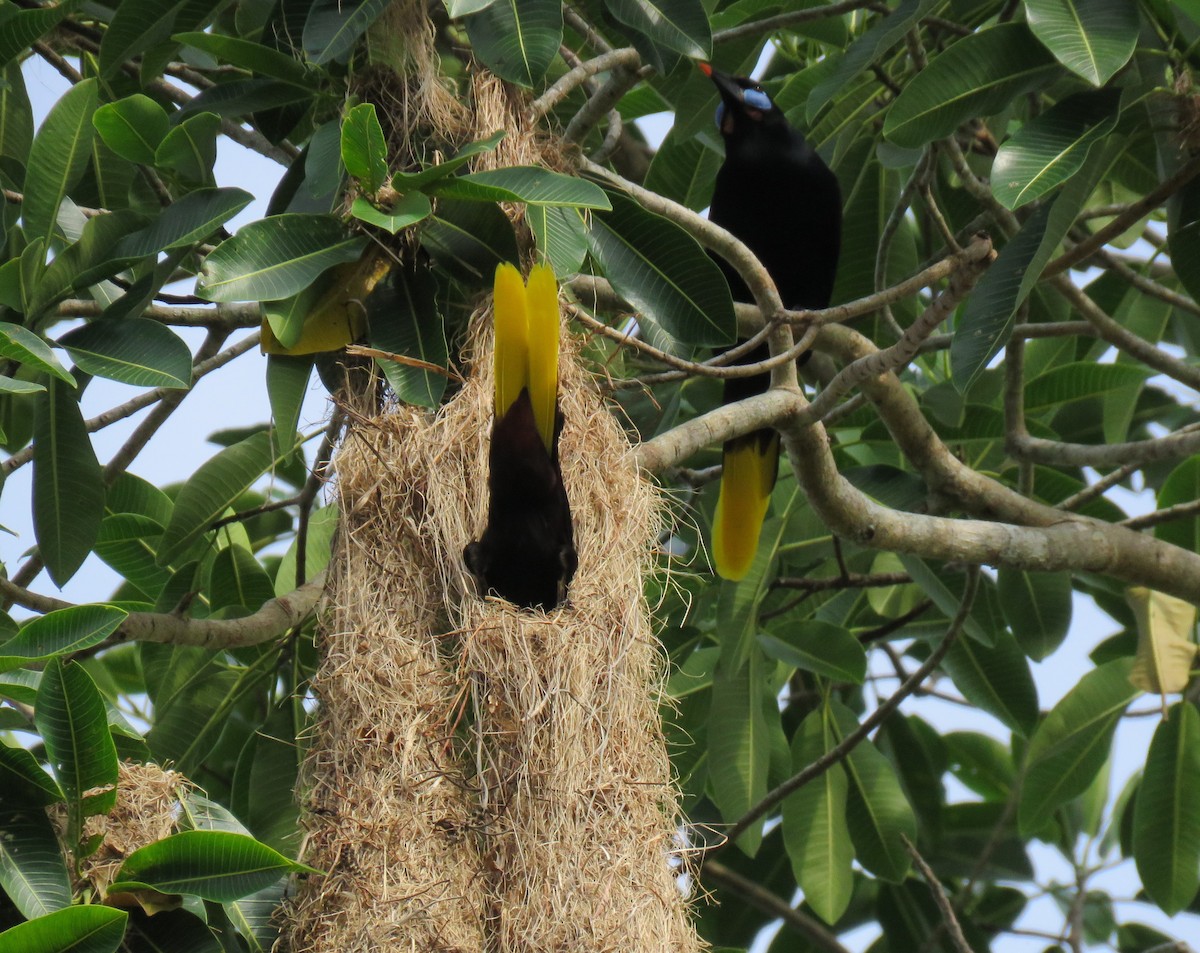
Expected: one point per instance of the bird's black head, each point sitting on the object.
(745, 112)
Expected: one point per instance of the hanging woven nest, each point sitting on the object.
(485, 778)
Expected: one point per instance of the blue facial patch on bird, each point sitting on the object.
(757, 99)
(720, 116)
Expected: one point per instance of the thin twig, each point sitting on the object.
(949, 920)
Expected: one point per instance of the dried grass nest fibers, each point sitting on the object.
(485, 778)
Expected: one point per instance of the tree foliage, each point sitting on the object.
(1012, 342)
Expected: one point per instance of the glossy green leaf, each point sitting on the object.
(560, 235)
(469, 239)
(23, 346)
(135, 351)
(57, 159)
(408, 210)
(976, 76)
(996, 679)
(16, 113)
(321, 528)
(464, 8)
(132, 127)
(83, 928)
(679, 25)
(59, 633)
(405, 319)
(866, 49)
(212, 489)
(684, 170)
(32, 870)
(1037, 606)
(524, 183)
(517, 39)
(187, 220)
(287, 383)
(84, 261)
(1182, 485)
(135, 28)
(334, 26)
(986, 321)
(22, 27)
(814, 823)
(10, 385)
(1078, 381)
(738, 741)
(661, 270)
(364, 150)
(275, 257)
(249, 55)
(878, 814)
(1092, 38)
(214, 865)
(1052, 147)
(818, 647)
(946, 589)
(128, 542)
(1166, 824)
(70, 716)
(1073, 742)
(190, 149)
(238, 580)
(410, 181)
(68, 484)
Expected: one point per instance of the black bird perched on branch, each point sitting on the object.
(777, 196)
(527, 553)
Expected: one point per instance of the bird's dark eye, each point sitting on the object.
(756, 99)
(720, 116)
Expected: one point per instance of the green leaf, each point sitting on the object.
(1092, 38)
(404, 319)
(317, 551)
(1182, 485)
(561, 237)
(517, 39)
(190, 149)
(408, 210)
(212, 489)
(814, 823)
(70, 716)
(819, 647)
(237, 579)
(996, 679)
(128, 542)
(1166, 825)
(1037, 606)
(865, 50)
(976, 76)
(1052, 147)
(287, 383)
(946, 589)
(878, 814)
(739, 742)
(23, 346)
(135, 351)
(59, 633)
(1073, 742)
(1183, 235)
(524, 183)
(661, 270)
(187, 220)
(410, 181)
(23, 779)
(85, 928)
(334, 26)
(57, 159)
(469, 239)
(32, 870)
(135, 28)
(986, 321)
(16, 113)
(133, 127)
(68, 484)
(684, 170)
(364, 150)
(215, 865)
(248, 55)
(1078, 381)
(10, 385)
(275, 257)
(679, 25)
(85, 261)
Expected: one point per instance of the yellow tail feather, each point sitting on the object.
(512, 337)
(746, 483)
(541, 306)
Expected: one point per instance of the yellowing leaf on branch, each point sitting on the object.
(338, 315)
(1165, 652)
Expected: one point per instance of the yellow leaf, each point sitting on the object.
(339, 315)
(1165, 652)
